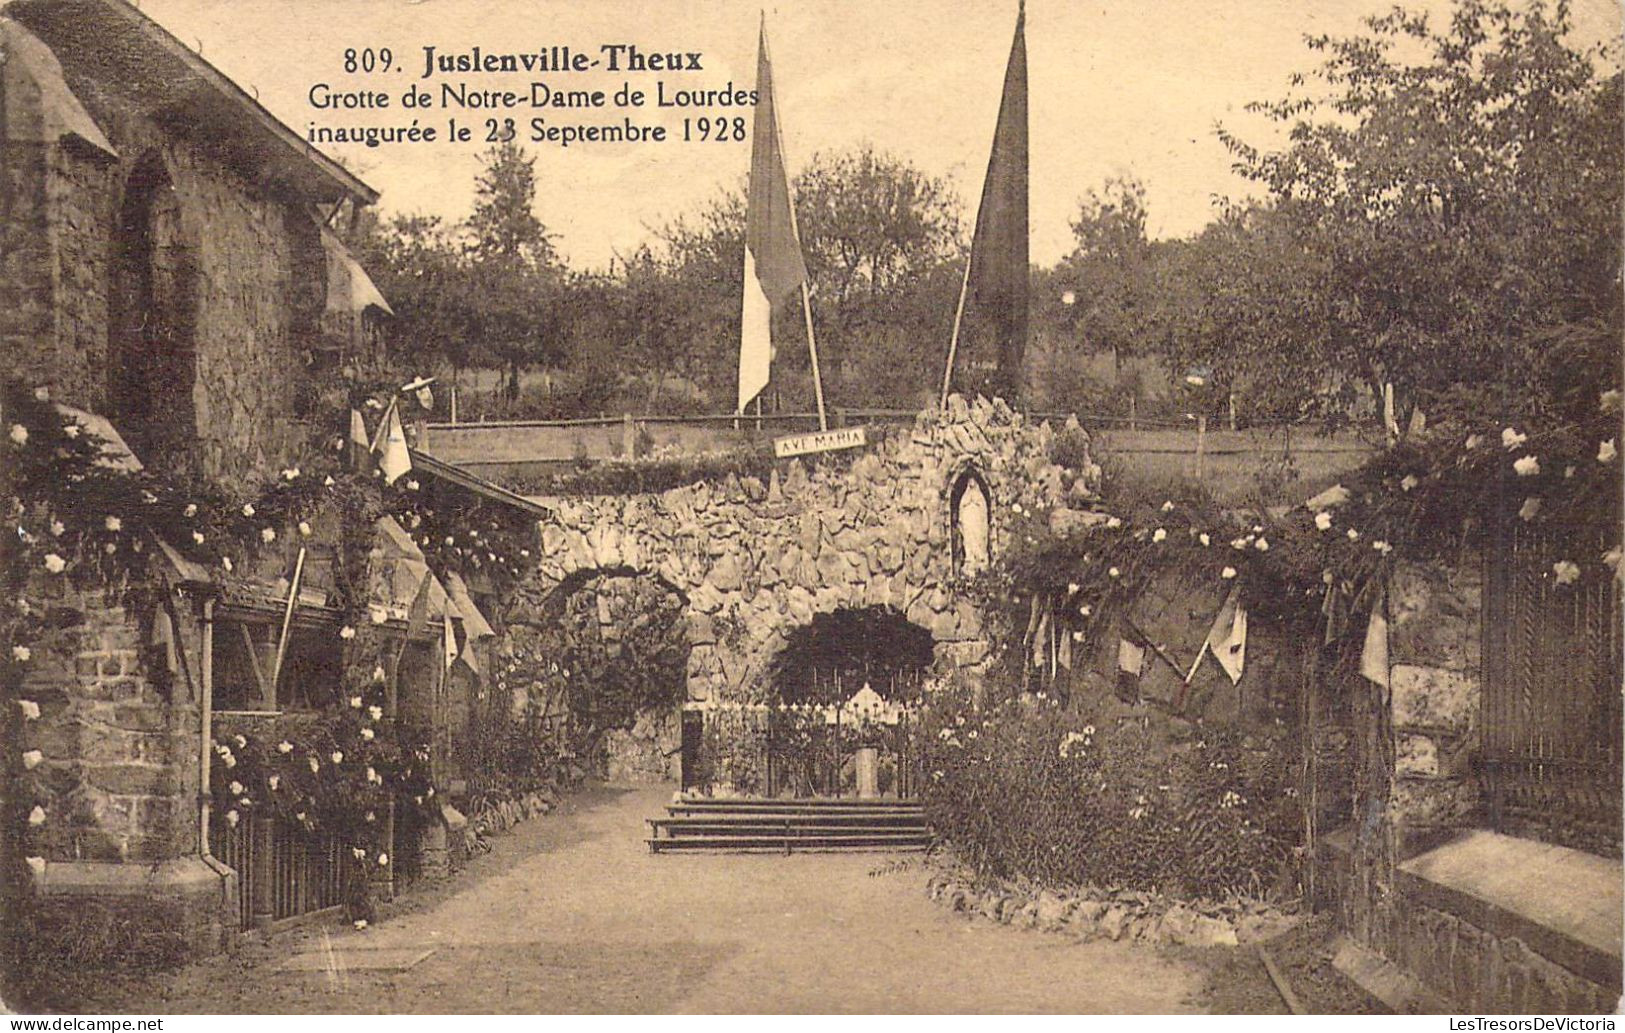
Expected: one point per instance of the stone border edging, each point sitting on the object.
(1118, 915)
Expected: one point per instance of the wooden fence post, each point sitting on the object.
(1201, 445)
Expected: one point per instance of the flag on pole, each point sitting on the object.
(393, 457)
(996, 308)
(774, 268)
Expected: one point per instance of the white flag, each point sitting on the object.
(1374, 658)
(1227, 638)
(449, 642)
(394, 458)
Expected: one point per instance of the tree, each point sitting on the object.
(1456, 193)
(879, 236)
(1108, 270)
(881, 240)
(419, 265)
(517, 287)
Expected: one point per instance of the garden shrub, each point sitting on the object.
(1029, 789)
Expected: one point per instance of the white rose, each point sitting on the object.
(19, 433)
(22, 654)
(54, 563)
(1323, 520)
(113, 523)
(1528, 466)
(30, 709)
(248, 509)
(1606, 451)
(1227, 573)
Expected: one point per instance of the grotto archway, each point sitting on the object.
(605, 653)
(835, 654)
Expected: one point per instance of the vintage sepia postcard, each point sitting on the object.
(931, 508)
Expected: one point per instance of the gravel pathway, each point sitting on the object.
(572, 914)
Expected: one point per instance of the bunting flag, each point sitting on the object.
(997, 280)
(1227, 638)
(390, 445)
(1374, 657)
(1130, 657)
(774, 268)
(360, 444)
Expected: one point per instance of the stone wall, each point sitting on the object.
(255, 259)
(109, 769)
(1413, 743)
(1433, 650)
(1483, 971)
(755, 561)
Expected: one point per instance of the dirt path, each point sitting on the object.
(580, 918)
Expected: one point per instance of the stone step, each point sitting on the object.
(683, 827)
(910, 809)
(790, 844)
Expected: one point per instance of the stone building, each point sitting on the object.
(167, 275)
(165, 262)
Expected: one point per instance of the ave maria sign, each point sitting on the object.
(819, 441)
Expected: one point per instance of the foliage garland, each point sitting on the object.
(1426, 498)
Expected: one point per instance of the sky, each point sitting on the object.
(1117, 87)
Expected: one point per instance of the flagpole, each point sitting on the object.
(812, 348)
(959, 314)
(795, 230)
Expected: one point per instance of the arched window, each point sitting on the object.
(153, 355)
(970, 507)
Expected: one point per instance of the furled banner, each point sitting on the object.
(773, 264)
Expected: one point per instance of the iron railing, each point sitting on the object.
(800, 751)
(283, 873)
(1551, 690)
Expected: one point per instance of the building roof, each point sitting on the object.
(110, 41)
(62, 116)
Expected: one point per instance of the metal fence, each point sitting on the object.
(776, 751)
(1552, 684)
(282, 873)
